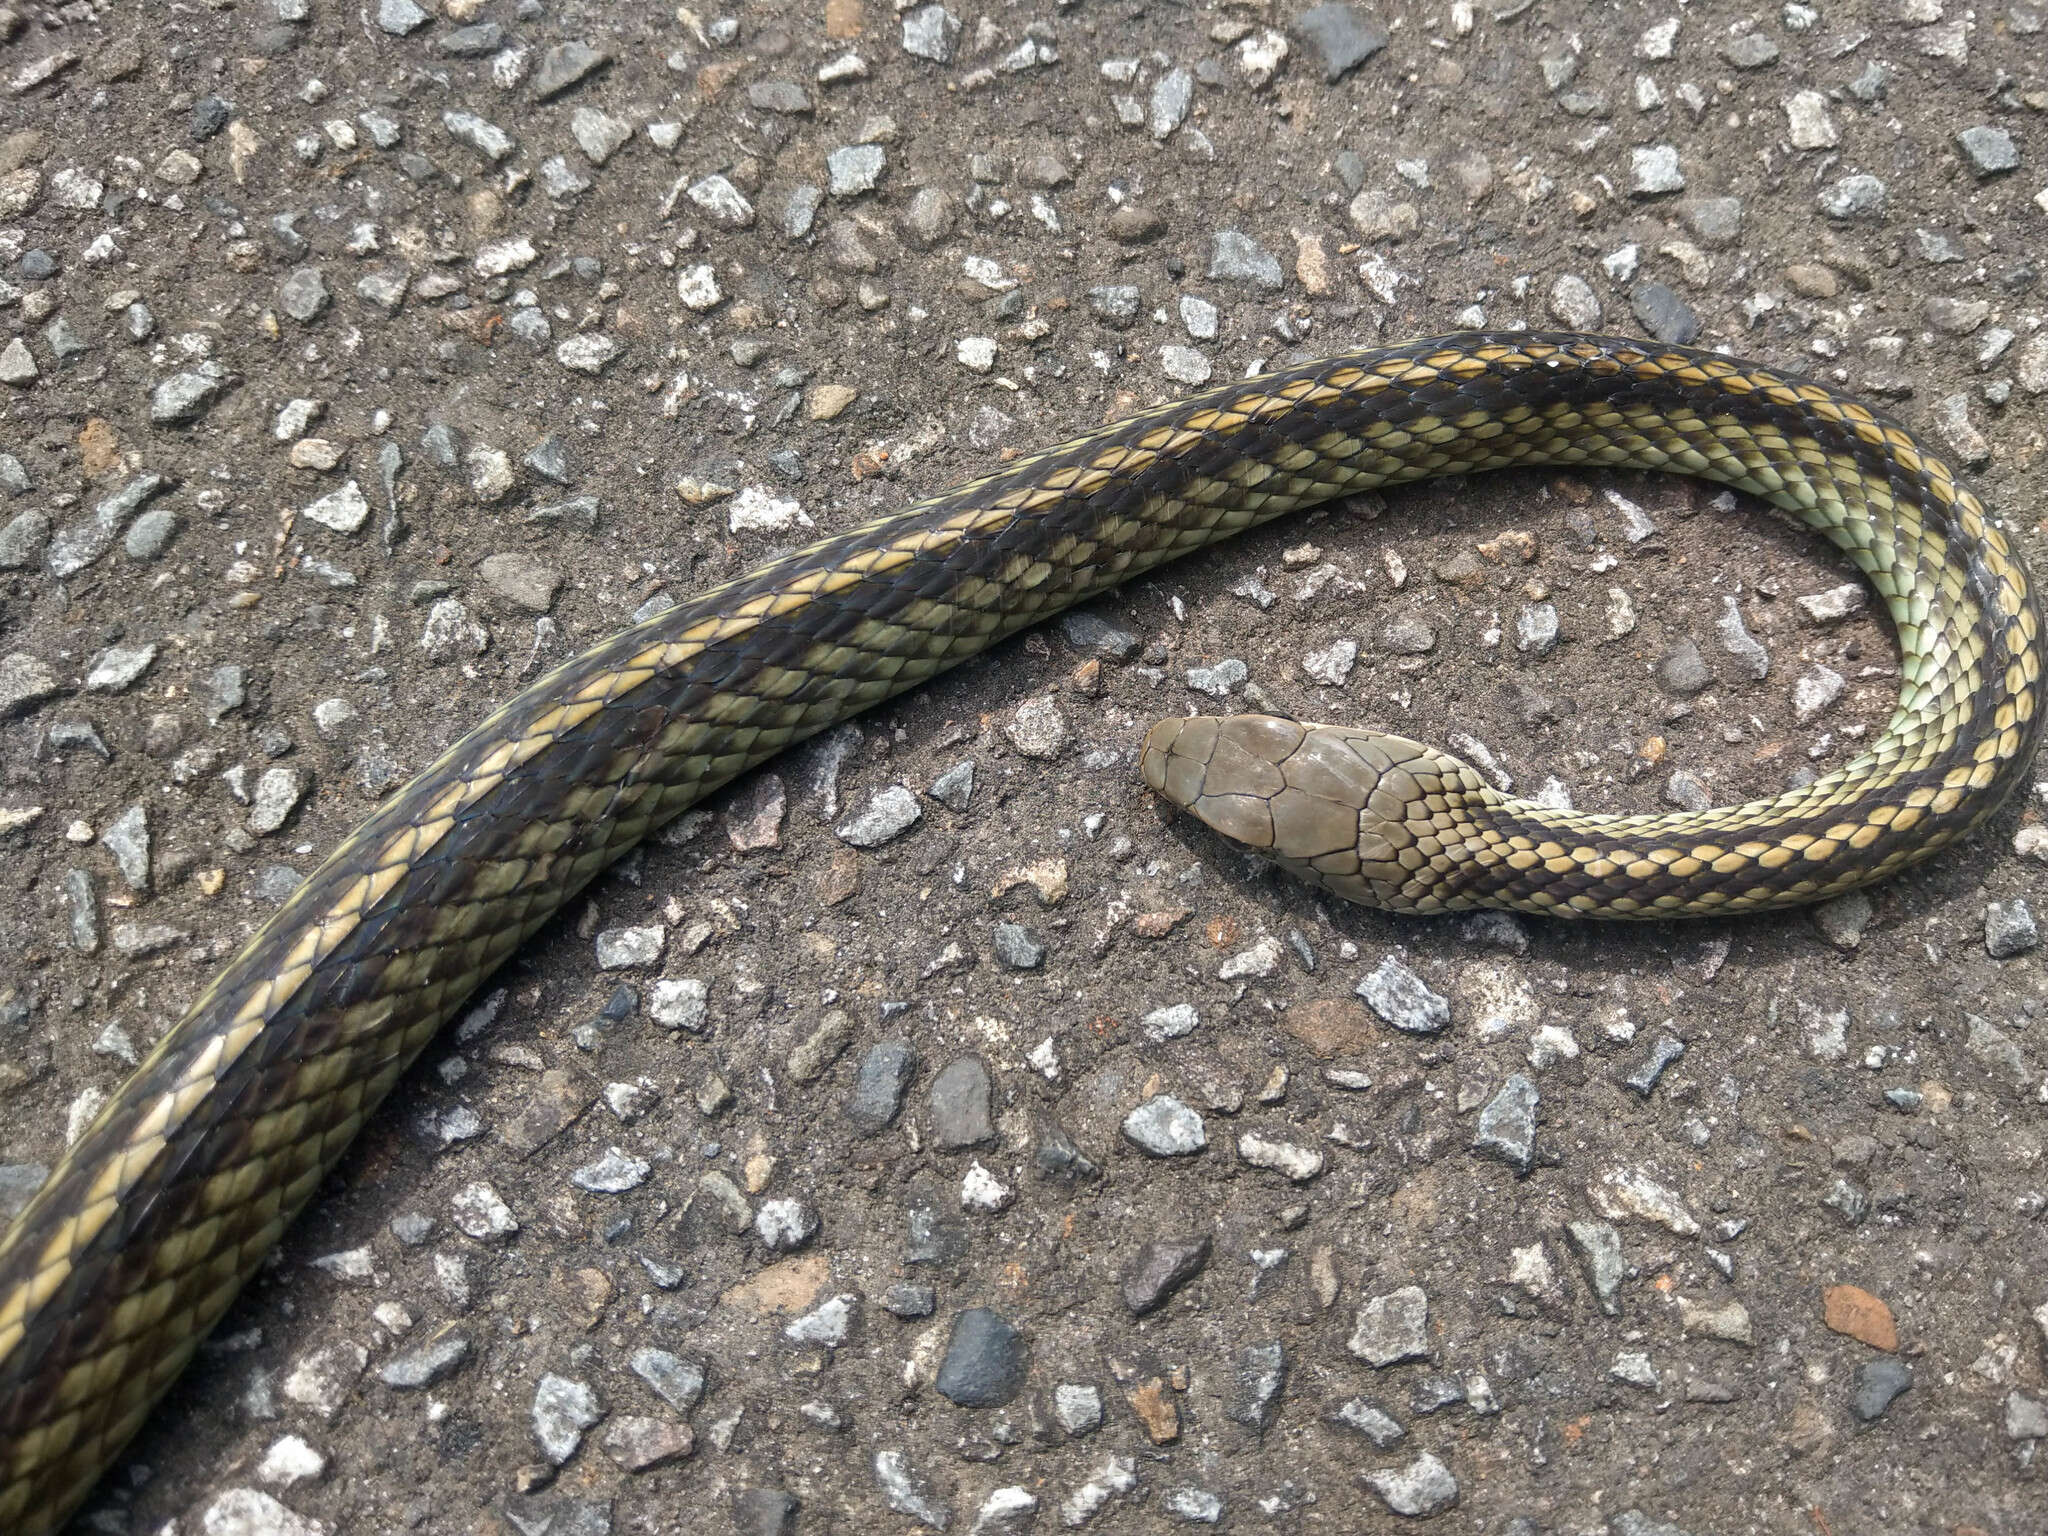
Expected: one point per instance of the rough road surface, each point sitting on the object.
(931, 1134)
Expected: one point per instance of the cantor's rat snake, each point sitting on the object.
(154, 1218)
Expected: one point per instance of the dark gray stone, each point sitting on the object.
(1683, 670)
(1344, 36)
(879, 1085)
(1159, 1269)
(1507, 1125)
(1877, 1383)
(564, 65)
(764, 1512)
(960, 1104)
(1664, 314)
(985, 1362)
(1260, 1377)
(1646, 1072)
(1988, 149)
(1018, 947)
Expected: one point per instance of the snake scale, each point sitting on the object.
(163, 1207)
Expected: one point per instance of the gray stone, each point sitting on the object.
(425, 1365)
(118, 667)
(2009, 928)
(614, 1173)
(1158, 1269)
(785, 1225)
(723, 201)
(278, 793)
(1853, 197)
(1988, 149)
(1752, 50)
(1536, 627)
(81, 544)
(598, 134)
(830, 1323)
(1842, 920)
(1172, 94)
(855, 168)
(183, 397)
(1116, 303)
(1877, 1384)
(890, 813)
(985, 1362)
(930, 217)
(676, 1381)
(764, 1512)
(1507, 1125)
(910, 1299)
(1643, 1077)
(879, 1084)
(1404, 999)
(1716, 221)
(1369, 1419)
(22, 540)
(1654, 171)
(1599, 1249)
(2026, 1418)
(784, 96)
(1423, 1487)
(476, 41)
(564, 65)
(304, 295)
(909, 1494)
(1076, 1407)
(1392, 1328)
(929, 33)
(1259, 1377)
(1664, 314)
(486, 138)
(954, 788)
(1381, 216)
(588, 352)
(562, 1410)
(1738, 642)
(1165, 1127)
(400, 17)
(127, 839)
(1018, 947)
(1184, 365)
(344, 510)
(25, 681)
(1573, 303)
(960, 1104)
(1683, 670)
(18, 364)
(1235, 257)
(819, 1049)
(1343, 36)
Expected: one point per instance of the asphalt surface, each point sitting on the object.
(1034, 1158)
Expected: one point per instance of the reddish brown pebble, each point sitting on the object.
(1852, 1310)
(1221, 932)
(1330, 1026)
(1155, 1408)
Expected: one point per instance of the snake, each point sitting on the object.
(159, 1211)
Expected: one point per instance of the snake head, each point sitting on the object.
(1371, 817)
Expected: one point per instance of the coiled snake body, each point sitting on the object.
(152, 1221)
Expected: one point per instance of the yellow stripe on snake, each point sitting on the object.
(152, 1221)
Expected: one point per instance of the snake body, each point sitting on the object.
(154, 1218)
